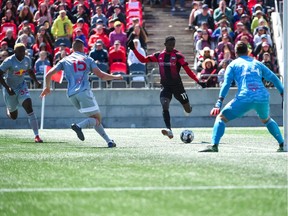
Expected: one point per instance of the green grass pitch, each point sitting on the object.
(147, 174)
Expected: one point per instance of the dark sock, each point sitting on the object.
(166, 117)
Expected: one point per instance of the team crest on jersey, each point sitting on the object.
(26, 63)
(20, 72)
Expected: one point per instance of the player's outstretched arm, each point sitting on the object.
(140, 57)
(48, 77)
(104, 76)
(5, 85)
(193, 76)
(34, 78)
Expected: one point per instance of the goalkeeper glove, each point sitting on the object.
(202, 84)
(216, 110)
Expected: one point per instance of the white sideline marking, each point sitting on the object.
(101, 189)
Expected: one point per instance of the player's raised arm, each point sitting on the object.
(140, 57)
(104, 76)
(48, 77)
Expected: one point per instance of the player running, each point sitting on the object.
(252, 95)
(15, 90)
(77, 67)
(170, 62)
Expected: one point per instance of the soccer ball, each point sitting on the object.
(187, 136)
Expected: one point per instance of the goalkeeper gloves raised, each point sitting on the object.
(217, 107)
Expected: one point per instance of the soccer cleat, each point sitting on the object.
(281, 148)
(211, 148)
(38, 139)
(78, 131)
(167, 132)
(111, 144)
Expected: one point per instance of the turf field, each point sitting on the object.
(147, 174)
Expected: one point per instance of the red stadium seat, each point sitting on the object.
(118, 67)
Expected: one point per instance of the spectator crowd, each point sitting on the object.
(218, 25)
(47, 28)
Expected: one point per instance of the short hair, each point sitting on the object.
(169, 38)
(241, 48)
(19, 45)
(77, 44)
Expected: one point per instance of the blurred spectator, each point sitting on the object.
(43, 47)
(259, 6)
(41, 62)
(206, 53)
(223, 24)
(237, 14)
(81, 36)
(198, 35)
(3, 55)
(234, 4)
(255, 22)
(85, 6)
(117, 54)
(118, 15)
(30, 5)
(4, 47)
(81, 13)
(59, 52)
(245, 19)
(140, 34)
(111, 7)
(223, 65)
(99, 54)
(60, 7)
(62, 29)
(194, 12)
(246, 33)
(99, 34)
(258, 47)
(82, 25)
(9, 6)
(267, 61)
(118, 34)
(61, 55)
(99, 15)
(39, 40)
(9, 17)
(261, 30)
(182, 5)
(239, 28)
(204, 17)
(263, 23)
(205, 41)
(25, 14)
(208, 73)
(224, 45)
(222, 12)
(9, 38)
(265, 48)
(132, 59)
(42, 15)
(23, 38)
(47, 35)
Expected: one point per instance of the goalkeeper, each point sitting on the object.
(251, 95)
(170, 62)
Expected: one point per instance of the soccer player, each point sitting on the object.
(170, 62)
(15, 90)
(77, 67)
(251, 95)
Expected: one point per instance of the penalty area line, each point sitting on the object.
(115, 189)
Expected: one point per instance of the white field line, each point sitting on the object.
(119, 189)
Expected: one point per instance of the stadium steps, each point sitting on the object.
(161, 22)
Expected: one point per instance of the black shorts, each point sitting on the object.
(177, 90)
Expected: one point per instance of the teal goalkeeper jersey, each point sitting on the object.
(248, 73)
(76, 67)
(15, 71)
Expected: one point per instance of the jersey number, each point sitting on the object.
(79, 66)
(184, 96)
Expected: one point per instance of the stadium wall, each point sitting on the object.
(140, 108)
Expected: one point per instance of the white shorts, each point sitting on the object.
(85, 102)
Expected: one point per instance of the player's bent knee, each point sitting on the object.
(264, 121)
